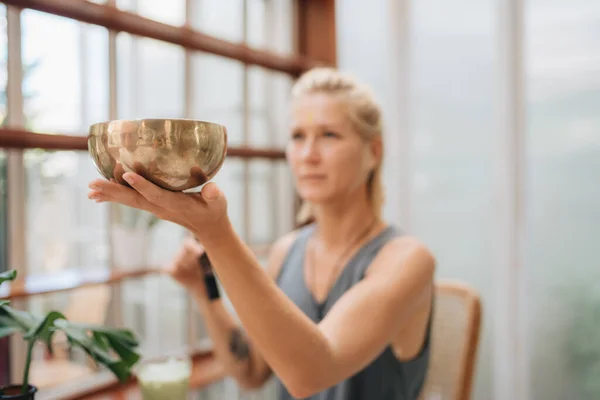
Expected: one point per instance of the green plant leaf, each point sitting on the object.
(119, 368)
(101, 341)
(23, 319)
(45, 329)
(110, 347)
(6, 322)
(8, 330)
(124, 335)
(8, 276)
(127, 354)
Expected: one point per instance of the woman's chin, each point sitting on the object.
(314, 198)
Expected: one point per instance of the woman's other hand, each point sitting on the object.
(185, 267)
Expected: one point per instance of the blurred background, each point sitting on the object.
(492, 158)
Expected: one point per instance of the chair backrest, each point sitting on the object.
(455, 339)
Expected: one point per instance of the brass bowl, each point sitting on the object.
(175, 154)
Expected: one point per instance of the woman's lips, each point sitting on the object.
(312, 177)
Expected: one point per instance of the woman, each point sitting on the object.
(343, 309)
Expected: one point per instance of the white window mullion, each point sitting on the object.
(116, 312)
(510, 347)
(397, 135)
(16, 183)
(192, 332)
(247, 214)
(275, 187)
(83, 73)
(16, 168)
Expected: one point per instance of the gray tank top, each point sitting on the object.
(386, 378)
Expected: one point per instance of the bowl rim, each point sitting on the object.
(138, 120)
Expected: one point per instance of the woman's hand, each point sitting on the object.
(185, 267)
(202, 213)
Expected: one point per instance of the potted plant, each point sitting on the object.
(110, 347)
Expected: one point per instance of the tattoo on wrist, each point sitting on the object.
(238, 346)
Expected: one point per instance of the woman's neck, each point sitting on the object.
(339, 223)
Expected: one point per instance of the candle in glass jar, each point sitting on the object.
(165, 379)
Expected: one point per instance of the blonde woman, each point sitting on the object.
(343, 309)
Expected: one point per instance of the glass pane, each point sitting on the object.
(279, 106)
(65, 83)
(94, 83)
(280, 22)
(563, 198)
(263, 210)
(52, 63)
(261, 134)
(169, 12)
(156, 311)
(64, 228)
(257, 23)
(66, 88)
(218, 93)
(128, 59)
(223, 19)
(151, 78)
(230, 180)
(259, 83)
(452, 147)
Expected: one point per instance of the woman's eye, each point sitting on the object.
(297, 136)
(330, 134)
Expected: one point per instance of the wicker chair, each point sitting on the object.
(455, 339)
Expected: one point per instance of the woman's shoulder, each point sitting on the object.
(402, 248)
(400, 240)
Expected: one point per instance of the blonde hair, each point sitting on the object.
(364, 114)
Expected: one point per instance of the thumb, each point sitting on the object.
(211, 192)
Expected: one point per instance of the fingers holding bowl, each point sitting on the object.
(102, 190)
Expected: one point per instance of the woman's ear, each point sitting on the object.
(376, 147)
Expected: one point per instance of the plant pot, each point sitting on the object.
(13, 392)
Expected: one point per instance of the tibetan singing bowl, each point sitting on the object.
(175, 154)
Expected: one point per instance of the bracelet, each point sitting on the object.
(210, 281)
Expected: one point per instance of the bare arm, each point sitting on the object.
(231, 346)
(240, 358)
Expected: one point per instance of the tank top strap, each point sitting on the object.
(296, 250)
(367, 253)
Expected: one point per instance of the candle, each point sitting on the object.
(165, 379)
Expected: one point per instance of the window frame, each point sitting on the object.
(315, 44)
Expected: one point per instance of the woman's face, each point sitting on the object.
(328, 158)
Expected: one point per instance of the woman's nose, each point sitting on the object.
(309, 149)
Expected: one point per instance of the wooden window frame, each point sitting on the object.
(315, 45)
